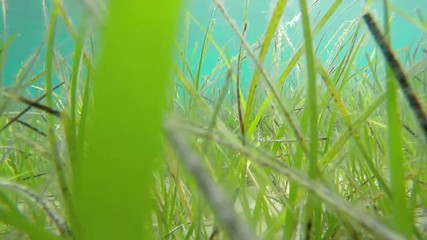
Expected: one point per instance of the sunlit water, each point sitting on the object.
(27, 20)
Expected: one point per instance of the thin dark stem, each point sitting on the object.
(31, 127)
(14, 119)
(395, 66)
(34, 104)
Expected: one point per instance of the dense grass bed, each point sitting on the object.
(305, 148)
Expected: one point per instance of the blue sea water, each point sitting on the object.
(26, 19)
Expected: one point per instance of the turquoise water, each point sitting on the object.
(26, 19)
(259, 13)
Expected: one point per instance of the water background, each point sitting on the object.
(26, 19)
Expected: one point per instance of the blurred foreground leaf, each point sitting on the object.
(113, 199)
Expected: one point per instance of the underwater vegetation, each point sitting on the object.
(316, 129)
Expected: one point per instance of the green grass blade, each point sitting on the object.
(290, 66)
(263, 72)
(74, 77)
(339, 143)
(72, 129)
(59, 167)
(203, 50)
(80, 144)
(329, 197)
(402, 217)
(21, 223)
(274, 22)
(218, 105)
(311, 90)
(41, 202)
(212, 40)
(346, 116)
(114, 180)
(4, 47)
(311, 108)
(408, 17)
(221, 205)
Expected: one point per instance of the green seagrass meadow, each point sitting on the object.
(127, 137)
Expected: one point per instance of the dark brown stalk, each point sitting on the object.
(14, 119)
(395, 66)
(239, 103)
(31, 127)
(34, 104)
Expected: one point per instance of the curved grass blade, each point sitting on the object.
(290, 66)
(418, 23)
(213, 41)
(334, 201)
(21, 223)
(339, 143)
(220, 204)
(5, 45)
(264, 74)
(346, 116)
(204, 47)
(274, 22)
(60, 223)
(217, 110)
(20, 77)
(55, 156)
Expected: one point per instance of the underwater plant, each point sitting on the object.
(306, 126)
